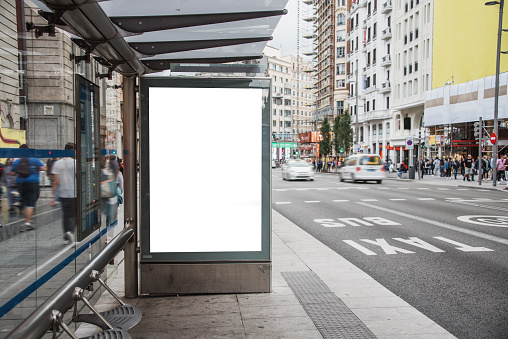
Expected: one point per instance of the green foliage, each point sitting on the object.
(325, 145)
(336, 139)
(345, 131)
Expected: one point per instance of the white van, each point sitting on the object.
(362, 167)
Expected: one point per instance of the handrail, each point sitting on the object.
(41, 320)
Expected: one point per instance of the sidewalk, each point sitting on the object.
(315, 293)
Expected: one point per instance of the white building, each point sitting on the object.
(411, 72)
(369, 41)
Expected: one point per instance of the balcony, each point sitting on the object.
(387, 33)
(385, 87)
(364, 71)
(386, 61)
(370, 89)
(364, 48)
(351, 78)
(364, 24)
(374, 36)
(387, 7)
(309, 36)
(308, 2)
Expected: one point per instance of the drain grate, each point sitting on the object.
(330, 315)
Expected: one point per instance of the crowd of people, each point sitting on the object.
(465, 166)
(22, 181)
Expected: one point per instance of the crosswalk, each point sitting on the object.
(467, 201)
(364, 188)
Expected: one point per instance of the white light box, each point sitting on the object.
(205, 169)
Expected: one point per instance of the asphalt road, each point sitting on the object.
(443, 249)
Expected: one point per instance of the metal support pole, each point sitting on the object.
(356, 108)
(480, 161)
(131, 186)
(496, 98)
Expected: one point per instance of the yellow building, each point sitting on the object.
(465, 41)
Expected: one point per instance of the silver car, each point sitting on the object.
(297, 169)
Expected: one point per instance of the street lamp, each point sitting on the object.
(496, 98)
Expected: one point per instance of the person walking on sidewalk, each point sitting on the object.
(27, 170)
(64, 182)
(483, 168)
(421, 166)
(468, 167)
(455, 166)
(437, 166)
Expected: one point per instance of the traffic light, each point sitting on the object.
(341, 150)
(423, 145)
(477, 130)
(296, 152)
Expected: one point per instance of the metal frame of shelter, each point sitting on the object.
(141, 37)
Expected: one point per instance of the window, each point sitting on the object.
(341, 19)
(287, 90)
(341, 52)
(374, 131)
(287, 124)
(397, 122)
(274, 111)
(368, 106)
(341, 69)
(387, 102)
(416, 86)
(341, 35)
(407, 123)
(274, 124)
(387, 130)
(287, 113)
(373, 104)
(280, 112)
(341, 83)
(340, 107)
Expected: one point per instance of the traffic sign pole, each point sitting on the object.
(480, 161)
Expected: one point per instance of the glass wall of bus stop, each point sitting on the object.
(49, 101)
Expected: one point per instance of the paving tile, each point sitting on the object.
(260, 312)
(281, 325)
(188, 333)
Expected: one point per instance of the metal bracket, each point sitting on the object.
(78, 295)
(58, 322)
(95, 275)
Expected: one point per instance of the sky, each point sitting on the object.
(284, 36)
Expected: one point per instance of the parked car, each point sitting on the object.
(297, 169)
(274, 164)
(362, 167)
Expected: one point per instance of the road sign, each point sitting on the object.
(409, 143)
(493, 138)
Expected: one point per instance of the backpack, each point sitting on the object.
(24, 168)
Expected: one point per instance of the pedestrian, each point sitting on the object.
(109, 204)
(402, 169)
(64, 183)
(437, 166)
(442, 167)
(480, 162)
(421, 166)
(468, 168)
(27, 170)
(455, 167)
(500, 168)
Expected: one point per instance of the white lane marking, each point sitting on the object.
(369, 200)
(280, 190)
(480, 205)
(485, 220)
(389, 249)
(422, 188)
(481, 199)
(425, 199)
(463, 189)
(282, 203)
(383, 188)
(312, 201)
(340, 200)
(403, 188)
(453, 198)
(463, 247)
(440, 224)
(322, 189)
(443, 189)
(302, 189)
(359, 247)
(420, 243)
(398, 199)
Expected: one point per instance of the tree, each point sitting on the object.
(336, 134)
(345, 131)
(325, 145)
